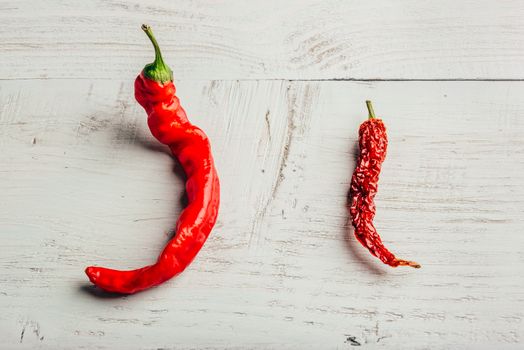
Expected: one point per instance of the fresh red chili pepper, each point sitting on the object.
(373, 144)
(155, 91)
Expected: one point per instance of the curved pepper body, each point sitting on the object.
(168, 123)
(373, 143)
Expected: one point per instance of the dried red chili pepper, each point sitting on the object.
(373, 144)
(155, 91)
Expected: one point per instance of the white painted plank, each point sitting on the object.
(82, 182)
(296, 39)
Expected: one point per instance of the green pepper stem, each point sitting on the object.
(158, 54)
(371, 112)
(158, 70)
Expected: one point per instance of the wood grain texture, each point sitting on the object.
(83, 182)
(295, 39)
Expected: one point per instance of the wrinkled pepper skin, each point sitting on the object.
(169, 124)
(373, 143)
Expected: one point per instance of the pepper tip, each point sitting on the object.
(92, 273)
(409, 263)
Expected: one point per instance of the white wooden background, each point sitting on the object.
(280, 89)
